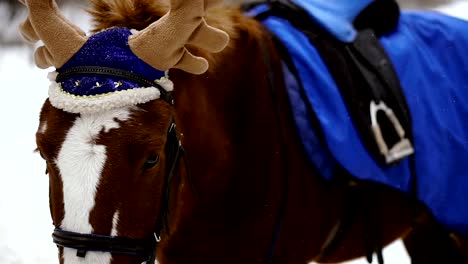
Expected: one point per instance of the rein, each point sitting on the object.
(266, 57)
(174, 152)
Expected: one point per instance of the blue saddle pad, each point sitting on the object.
(430, 53)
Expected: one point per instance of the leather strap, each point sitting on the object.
(106, 71)
(92, 242)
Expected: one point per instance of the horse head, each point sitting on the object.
(107, 130)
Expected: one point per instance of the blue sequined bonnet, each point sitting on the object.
(87, 93)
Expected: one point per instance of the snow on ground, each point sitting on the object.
(25, 223)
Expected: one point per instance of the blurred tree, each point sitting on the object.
(9, 11)
(12, 13)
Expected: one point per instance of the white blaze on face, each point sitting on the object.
(80, 162)
(43, 127)
(115, 221)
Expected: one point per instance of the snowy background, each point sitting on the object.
(25, 223)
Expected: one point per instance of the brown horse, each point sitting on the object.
(241, 190)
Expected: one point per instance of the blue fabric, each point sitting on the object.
(429, 52)
(302, 111)
(336, 16)
(108, 48)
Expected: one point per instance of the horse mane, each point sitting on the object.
(139, 14)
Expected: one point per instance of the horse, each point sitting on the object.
(205, 164)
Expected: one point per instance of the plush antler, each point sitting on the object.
(61, 38)
(163, 43)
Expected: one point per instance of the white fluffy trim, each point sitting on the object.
(94, 104)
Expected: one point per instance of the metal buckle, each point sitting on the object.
(401, 149)
(157, 237)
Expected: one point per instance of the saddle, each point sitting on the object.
(364, 74)
(390, 106)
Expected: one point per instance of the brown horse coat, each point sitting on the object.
(250, 179)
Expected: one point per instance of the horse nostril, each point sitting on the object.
(151, 162)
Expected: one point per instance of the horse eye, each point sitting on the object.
(151, 162)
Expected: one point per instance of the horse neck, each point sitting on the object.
(228, 117)
(247, 165)
(241, 144)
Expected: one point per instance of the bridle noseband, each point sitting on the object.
(146, 248)
(93, 242)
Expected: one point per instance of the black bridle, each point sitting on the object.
(145, 248)
(100, 243)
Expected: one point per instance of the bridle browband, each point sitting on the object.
(114, 72)
(146, 248)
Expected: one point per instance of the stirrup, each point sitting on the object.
(401, 149)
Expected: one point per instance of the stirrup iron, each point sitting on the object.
(402, 148)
